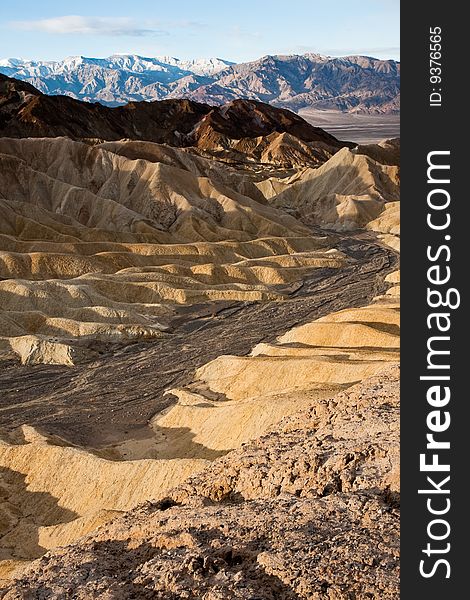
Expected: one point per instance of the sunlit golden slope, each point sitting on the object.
(98, 246)
(347, 192)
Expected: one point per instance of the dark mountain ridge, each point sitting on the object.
(26, 112)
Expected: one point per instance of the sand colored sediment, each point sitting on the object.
(100, 243)
(103, 244)
(387, 225)
(237, 398)
(51, 494)
(232, 400)
(372, 330)
(347, 192)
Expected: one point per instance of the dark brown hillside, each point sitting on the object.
(26, 112)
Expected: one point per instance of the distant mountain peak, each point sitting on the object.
(311, 80)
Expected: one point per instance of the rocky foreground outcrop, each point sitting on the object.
(310, 510)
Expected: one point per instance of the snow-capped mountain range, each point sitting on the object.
(352, 84)
(123, 62)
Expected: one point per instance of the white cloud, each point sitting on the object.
(76, 24)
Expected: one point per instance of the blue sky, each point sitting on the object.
(240, 31)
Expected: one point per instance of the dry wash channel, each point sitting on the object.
(232, 400)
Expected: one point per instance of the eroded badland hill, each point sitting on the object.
(199, 312)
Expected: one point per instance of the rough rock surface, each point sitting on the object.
(308, 511)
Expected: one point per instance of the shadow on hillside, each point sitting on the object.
(178, 442)
(22, 513)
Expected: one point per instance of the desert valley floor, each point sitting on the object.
(362, 128)
(199, 347)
